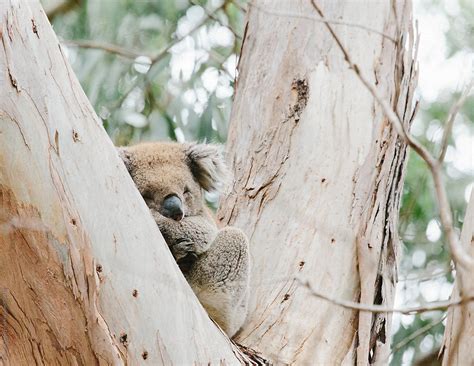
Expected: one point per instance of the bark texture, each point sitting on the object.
(319, 174)
(459, 332)
(85, 276)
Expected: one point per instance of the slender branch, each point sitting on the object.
(416, 334)
(164, 51)
(107, 47)
(389, 112)
(322, 20)
(427, 277)
(448, 126)
(215, 18)
(218, 59)
(61, 8)
(160, 55)
(237, 5)
(408, 207)
(133, 55)
(460, 256)
(432, 306)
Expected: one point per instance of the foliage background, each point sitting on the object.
(169, 74)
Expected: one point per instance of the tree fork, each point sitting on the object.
(85, 276)
(319, 175)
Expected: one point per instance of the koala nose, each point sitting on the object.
(172, 207)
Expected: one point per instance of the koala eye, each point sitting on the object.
(186, 190)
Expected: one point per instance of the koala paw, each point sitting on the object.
(185, 253)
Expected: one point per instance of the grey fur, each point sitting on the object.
(214, 261)
(208, 166)
(125, 156)
(220, 279)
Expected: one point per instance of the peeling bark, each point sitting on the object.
(319, 174)
(85, 276)
(459, 332)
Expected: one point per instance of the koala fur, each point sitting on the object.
(171, 178)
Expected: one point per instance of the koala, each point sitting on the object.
(171, 178)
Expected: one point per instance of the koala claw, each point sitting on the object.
(184, 252)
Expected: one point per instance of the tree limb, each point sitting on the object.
(460, 256)
(61, 8)
(67, 260)
(160, 55)
(325, 20)
(432, 306)
(215, 18)
(107, 47)
(448, 126)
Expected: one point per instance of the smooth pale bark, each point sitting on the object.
(459, 332)
(319, 174)
(85, 276)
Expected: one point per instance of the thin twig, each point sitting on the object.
(160, 55)
(448, 126)
(130, 54)
(237, 5)
(460, 256)
(163, 52)
(432, 306)
(408, 207)
(215, 56)
(107, 47)
(61, 8)
(133, 55)
(317, 19)
(215, 18)
(415, 335)
(427, 277)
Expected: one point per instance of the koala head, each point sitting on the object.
(171, 177)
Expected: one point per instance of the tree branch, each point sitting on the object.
(432, 306)
(448, 126)
(427, 277)
(56, 136)
(107, 47)
(460, 256)
(324, 20)
(415, 335)
(215, 18)
(160, 55)
(61, 8)
(238, 6)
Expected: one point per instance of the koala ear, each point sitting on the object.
(125, 156)
(208, 166)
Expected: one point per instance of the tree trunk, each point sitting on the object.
(319, 174)
(459, 332)
(85, 276)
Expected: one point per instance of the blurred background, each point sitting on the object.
(165, 70)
